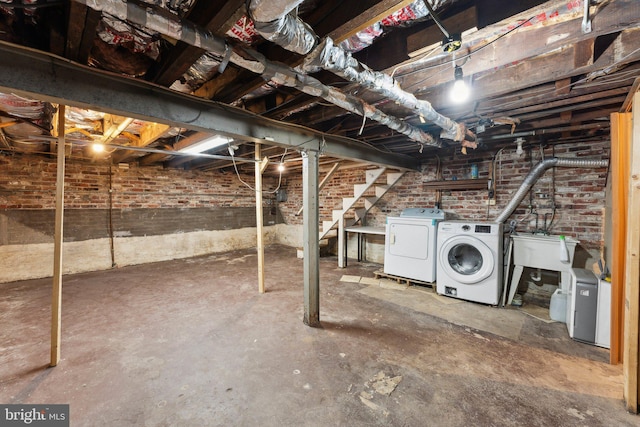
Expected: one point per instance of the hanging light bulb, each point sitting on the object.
(281, 167)
(97, 147)
(460, 91)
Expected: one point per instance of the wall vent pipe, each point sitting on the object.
(537, 171)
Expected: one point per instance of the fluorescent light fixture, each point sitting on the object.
(206, 144)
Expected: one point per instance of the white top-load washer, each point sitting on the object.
(470, 261)
(411, 244)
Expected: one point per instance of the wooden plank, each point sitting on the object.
(632, 269)
(620, 147)
(628, 102)
(56, 294)
(460, 184)
(530, 42)
(259, 224)
(369, 17)
(149, 133)
(217, 17)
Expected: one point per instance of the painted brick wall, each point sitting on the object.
(145, 200)
(579, 194)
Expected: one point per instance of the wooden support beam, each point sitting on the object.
(310, 234)
(259, 224)
(56, 295)
(620, 150)
(632, 270)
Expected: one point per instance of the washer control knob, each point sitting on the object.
(466, 228)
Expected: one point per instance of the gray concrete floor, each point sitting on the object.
(192, 343)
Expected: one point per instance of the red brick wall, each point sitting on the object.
(28, 182)
(579, 193)
(145, 200)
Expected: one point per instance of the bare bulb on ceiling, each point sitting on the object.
(460, 91)
(97, 148)
(281, 167)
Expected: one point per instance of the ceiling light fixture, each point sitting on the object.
(451, 42)
(206, 144)
(460, 91)
(97, 147)
(281, 167)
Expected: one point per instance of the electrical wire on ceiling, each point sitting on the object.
(235, 167)
(468, 55)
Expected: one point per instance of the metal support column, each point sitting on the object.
(311, 233)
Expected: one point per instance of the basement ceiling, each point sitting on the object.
(549, 72)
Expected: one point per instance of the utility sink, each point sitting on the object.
(541, 251)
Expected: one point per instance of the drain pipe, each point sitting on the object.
(293, 34)
(537, 171)
(199, 37)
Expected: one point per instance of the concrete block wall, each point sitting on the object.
(149, 213)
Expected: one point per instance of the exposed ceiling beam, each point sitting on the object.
(52, 79)
(215, 16)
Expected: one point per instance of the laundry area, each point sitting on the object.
(305, 212)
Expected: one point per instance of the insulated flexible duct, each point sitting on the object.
(272, 19)
(333, 58)
(537, 171)
(199, 37)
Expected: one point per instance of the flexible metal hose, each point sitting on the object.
(537, 171)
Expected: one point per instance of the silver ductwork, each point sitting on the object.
(537, 171)
(199, 37)
(335, 59)
(274, 22)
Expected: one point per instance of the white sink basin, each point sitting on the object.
(539, 251)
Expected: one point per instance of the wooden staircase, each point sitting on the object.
(340, 220)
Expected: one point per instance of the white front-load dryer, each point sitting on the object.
(470, 261)
(411, 245)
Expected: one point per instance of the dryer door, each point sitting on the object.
(466, 259)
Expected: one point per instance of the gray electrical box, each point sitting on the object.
(584, 304)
